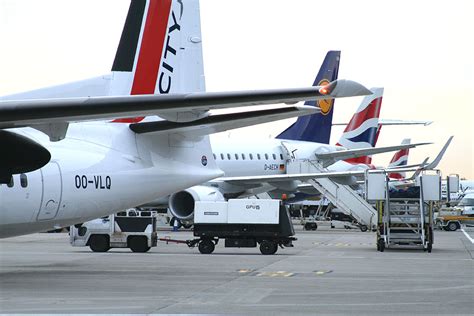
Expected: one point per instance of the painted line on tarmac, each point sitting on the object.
(467, 235)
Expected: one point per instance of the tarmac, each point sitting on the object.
(328, 271)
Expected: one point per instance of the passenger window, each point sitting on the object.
(266, 156)
(222, 156)
(23, 180)
(11, 183)
(228, 156)
(274, 157)
(121, 214)
(281, 156)
(251, 156)
(258, 156)
(236, 157)
(145, 213)
(215, 158)
(243, 156)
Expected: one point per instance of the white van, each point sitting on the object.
(466, 205)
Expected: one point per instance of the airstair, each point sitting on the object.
(405, 216)
(341, 196)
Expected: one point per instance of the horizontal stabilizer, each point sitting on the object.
(388, 122)
(327, 159)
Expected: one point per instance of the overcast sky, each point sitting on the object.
(420, 51)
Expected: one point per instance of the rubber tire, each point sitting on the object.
(452, 227)
(138, 244)
(206, 246)
(429, 247)
(99, 243)
(363, 228)
(268, 247)
(307, 226)
(381, 245)
(314, 226)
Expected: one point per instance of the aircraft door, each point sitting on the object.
(52, 191)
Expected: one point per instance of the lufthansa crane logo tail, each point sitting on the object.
(325, 105)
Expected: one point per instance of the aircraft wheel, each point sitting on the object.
(206, 246)
(99, 243)
(268, 247)
(138, 244)
(363, 228)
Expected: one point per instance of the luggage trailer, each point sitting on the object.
(242, 223)
(404, 220)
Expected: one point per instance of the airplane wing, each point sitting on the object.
(222, 122)
(247, 180)
(438, 158)
(327, 159)
(21, 113)
(430, 165)
(288, 177)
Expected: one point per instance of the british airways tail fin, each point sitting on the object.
(363, 129)
(317, 127)
(399, 159)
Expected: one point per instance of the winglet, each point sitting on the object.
(438, 158)
(346, 88)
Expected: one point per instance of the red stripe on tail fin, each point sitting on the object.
(151, 51)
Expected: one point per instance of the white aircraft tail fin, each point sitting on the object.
(160, 50)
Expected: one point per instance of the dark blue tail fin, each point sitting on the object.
(317, 127)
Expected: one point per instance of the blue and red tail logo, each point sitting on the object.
(363, 129)
(317, 127)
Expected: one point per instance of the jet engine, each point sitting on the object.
(181, 203)
(20, 154)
